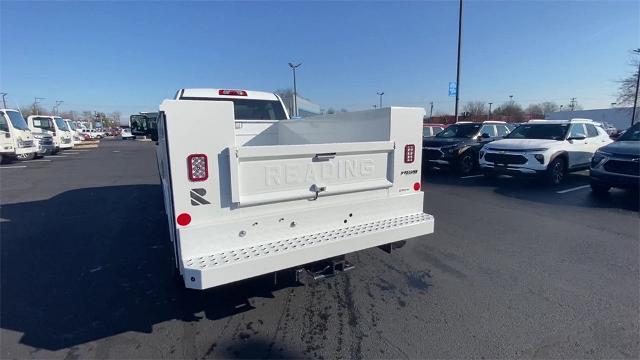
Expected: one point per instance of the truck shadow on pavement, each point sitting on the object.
(92, 263)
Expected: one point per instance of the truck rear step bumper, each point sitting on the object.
(206, 271)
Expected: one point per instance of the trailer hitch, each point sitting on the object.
(317, 189)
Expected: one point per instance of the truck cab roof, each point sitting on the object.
(202, 94)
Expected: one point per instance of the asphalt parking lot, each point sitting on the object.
(514, 269)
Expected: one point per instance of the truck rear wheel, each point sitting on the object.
(4, 159)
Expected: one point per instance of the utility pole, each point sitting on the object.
(572, 104)
(295, 89)
(58, 102)
(380, 94)
(4, 102)
(458, 63)
(489, 116)
(511, 99)
(431, 111)
(35, 104)
(635, 99)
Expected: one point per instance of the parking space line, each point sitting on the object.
(39, 160)
(471, 176)
(56, 156)
(13, 167)
(71, 153)
(572, 189)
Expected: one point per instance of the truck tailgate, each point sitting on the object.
(267, 174)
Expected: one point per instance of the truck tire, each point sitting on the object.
(556, 171)
(466, 163)
(4, 159)
(599, 188)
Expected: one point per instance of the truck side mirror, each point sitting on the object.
(485, 136)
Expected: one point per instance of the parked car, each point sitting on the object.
(126, 134)
(609, 129)
(53, 125)
(429, 130)
(85, 136)
(549, 148)
(458, 145)
(617, 164)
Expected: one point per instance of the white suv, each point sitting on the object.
(550, 148)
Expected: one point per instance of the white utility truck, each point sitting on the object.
(16, 140)
(54, 125)
(258, 193)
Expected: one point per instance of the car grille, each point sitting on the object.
(66, 141)
(432, 154)
(46, 141)
(505, 158)
(623, 167)
(27, 143)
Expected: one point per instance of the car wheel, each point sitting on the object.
(466, 163)
(556, 171)
(4, 159)
(599, 188)
(24, 157)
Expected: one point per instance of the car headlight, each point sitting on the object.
(537, 150)
(598, 157)
(20, 142)
(453, 149)
(539, 157)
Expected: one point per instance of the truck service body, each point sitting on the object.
(258, 193)
(16, 140)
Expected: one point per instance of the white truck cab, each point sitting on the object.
(16, 140)
(260, 193)
(75, 136)
(53, 125)
(550, 148)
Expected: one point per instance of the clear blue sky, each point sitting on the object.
(128, 56)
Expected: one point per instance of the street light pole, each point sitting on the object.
(431, 111)
(58, 102)
(489, 116)
(635, 99)
(380, 94)
(35, 104)
(458, 65)
(295, 89)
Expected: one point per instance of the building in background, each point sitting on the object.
(619, 117)
(305, 106)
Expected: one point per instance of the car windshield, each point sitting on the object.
(633, 134)
(539, 131)
(459, 131)
(61, 124)
(71, 125)
(17, 120)
(251, 109)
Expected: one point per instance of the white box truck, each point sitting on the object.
(249, 192)
(16, 140)
(54, 125)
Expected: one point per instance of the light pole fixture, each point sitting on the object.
(431, 111)
(489, 116)
(380, 94)
(458, 62)
(58, 102)
(35, 104)
(295, 89)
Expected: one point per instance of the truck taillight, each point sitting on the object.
(232, 92)
(198, 168)
(409, 153)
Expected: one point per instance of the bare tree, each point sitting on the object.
(627, 86)
(511, 109)
(475, 109)
(33, 109)
(535, 110)
(549, 107)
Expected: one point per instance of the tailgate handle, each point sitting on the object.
(317, 189)
(324, 156)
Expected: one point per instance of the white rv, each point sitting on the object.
(16, 140)
(259, 193)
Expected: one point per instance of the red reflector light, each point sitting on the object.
(198, 169)
(416, 186)
(184, 219)
(409, 153)
(232, 92)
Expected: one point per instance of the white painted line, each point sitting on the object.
(39, 160)
(55, 156)
(13, 167)
(116, 150)
(71, 153)
(471, 176)
(80, 150)
(573, 189)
